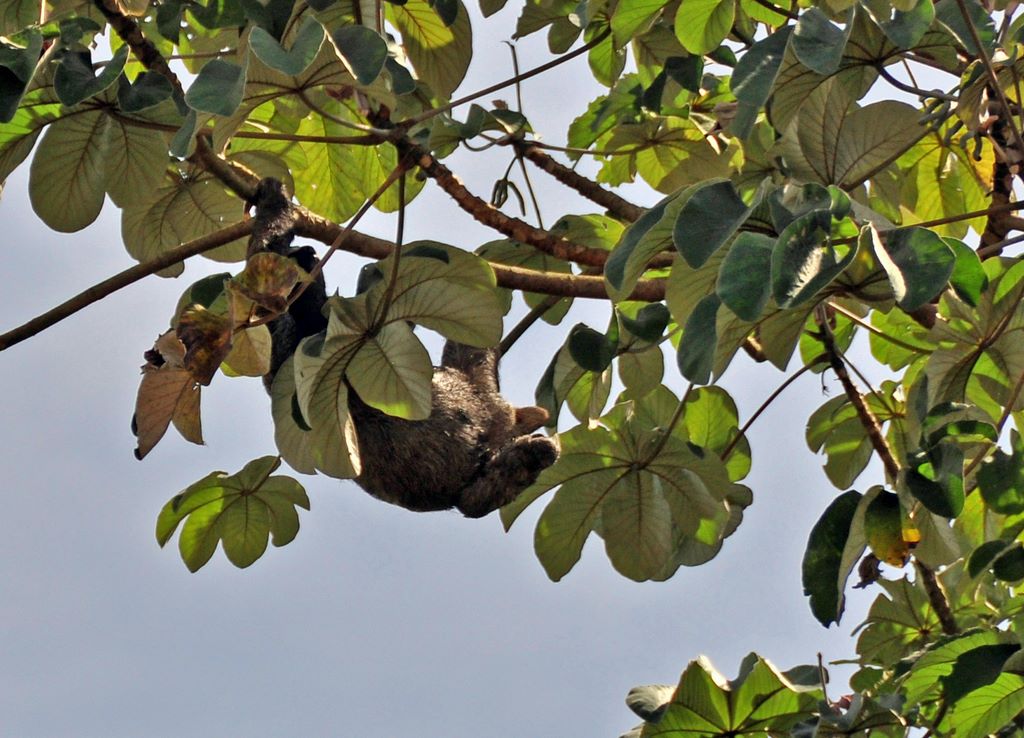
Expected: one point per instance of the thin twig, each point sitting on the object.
(129, 276)
(742, 432)
(427, 115)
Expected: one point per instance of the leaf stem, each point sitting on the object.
(857, 320)
(742, 432)
(937, 598)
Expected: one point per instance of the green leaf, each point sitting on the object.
(590, 349)
(363, 51)
(918, 264)
(990, 708)
(1009, 565)
(650, 321)
(240, 511)
(936, 478)
(186, 205)
(17, 65)
(949, 14)
(709, 218)
(930, 672)
(218, 88)
(628, 260)
(968, 278)
(712, 422)
(455, 297)
(903, 27)
(630, 16)
(744, 280)
(68, 173)
(322, 398)
(982, 557)
(754, 77)
(834, 141)
(291, 431)
(696, 356)
(1001, 479)
(439, 53)
(297, 59)
(817, 43)
(74, 80)
(804, 261)
(761, 700)
(149, 89)
(701, 25)
(824, 577)
(392, 372)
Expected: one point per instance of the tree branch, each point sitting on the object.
(867, 418)
(488, 215)
(123, 279)
(616, 205)
(937, 598)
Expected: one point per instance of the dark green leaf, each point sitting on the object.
(1001, 479)
(649, 323)
(754, 77)
(983, 556)
(823, 581)
(686, 71)
(75, 81)
(804, 261)
(215, 14)
(817, 43)
(402, 81)
(948, 13)
(168, 19)
(937, 479)
(918, 263)
(590, 349)
(976, 668)
(149, 89)
(218, 88)
(1009, 566)
(16, 67)
(709, 218)
(363, 51)
(968, 278)
(621, 264)
(696, 355)
(904, 28)
(744, 280)
(271, 15)
(294, 61)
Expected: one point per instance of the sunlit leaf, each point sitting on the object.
(241, 512)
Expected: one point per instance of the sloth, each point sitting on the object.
(475, 452)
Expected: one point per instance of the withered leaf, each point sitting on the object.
(207, 338)
(166, 394)
(268, 280)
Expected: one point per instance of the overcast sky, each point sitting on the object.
(375, 621)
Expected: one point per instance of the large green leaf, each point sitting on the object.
(363, 51)
(804, 260)
(392, 372)
(443, 288)
(656, 504)
(986, 710)
(75, 80)
(701, 25)
(760, 701)
(754, 77)
(708, 219)
(69, 172)
(825, 569)
(322, 398)
(1001, 478)
(440, 53)
(630, 16)
(696, 356)
(832, 140)
(295, 60)
(817, 43)
(648, 236)
(17, 65)
(185, 206)
(218, 88)
(240, 511)
(744, 280)
(918, 263)
(292, 434)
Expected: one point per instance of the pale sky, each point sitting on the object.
(375, 621)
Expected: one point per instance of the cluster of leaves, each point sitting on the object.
(793, 216)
